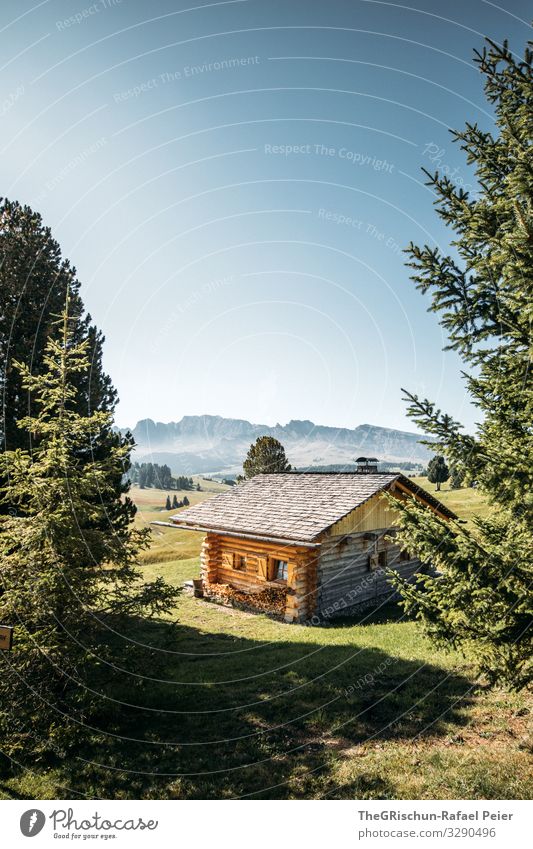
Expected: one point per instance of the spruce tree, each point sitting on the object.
(438, 471)
(34, 280)
(67, 561)
(265, 456)
(482, 291)
(150, 479)
(168, 504)
(165, 476)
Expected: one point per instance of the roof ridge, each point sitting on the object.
(296, 473)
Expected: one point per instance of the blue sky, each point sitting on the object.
(235, 183)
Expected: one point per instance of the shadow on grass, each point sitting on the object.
(379, 615)
(227, 716)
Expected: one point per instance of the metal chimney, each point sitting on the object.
(366, 465)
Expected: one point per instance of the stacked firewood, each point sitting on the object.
(269, 600)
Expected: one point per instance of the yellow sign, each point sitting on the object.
(6, 637)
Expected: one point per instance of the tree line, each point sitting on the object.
(148, 475)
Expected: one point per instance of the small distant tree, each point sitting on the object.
(174, 502)
(165, 476)
(265, 456)
(186, 501)
(142, 478)
(198, 487)
(438, 471)
(168, 505)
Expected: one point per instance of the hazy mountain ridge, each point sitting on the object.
(201, 444)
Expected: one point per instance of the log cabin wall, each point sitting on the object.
(209, 559)
(249, 566)
(352, 571)
(354, 557)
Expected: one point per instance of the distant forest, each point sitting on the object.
(148, 475)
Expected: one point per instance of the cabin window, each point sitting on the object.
(378, 560)
(280, 570)
(404, 556)
(239, 562)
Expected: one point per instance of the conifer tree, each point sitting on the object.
(150, 479)
(265, 456)
(482, 292)
(67, 561)
(438, 471)
(34, 280)
(165, 476)
(168, 505)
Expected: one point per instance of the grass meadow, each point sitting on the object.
(219, 703)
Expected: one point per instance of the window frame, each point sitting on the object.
(376, 558)
(383, 555)
(274, 566)
(239, 562)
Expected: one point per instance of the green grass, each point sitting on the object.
(167, 543)
(219, 703)
(239, 705)
(466, 502)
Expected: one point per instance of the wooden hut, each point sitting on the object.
(305, 544)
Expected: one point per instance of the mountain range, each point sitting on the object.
(213, 444)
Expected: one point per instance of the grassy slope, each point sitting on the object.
(167, 543)
(246, 706)
(466, 502)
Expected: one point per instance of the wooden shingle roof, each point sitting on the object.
(296, 507)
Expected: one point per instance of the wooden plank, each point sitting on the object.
(421, 498)
(374, 513)
(279, 550)
(344, 577)
(262, 567)
(227, 559)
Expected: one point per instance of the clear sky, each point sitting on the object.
(235, 182)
